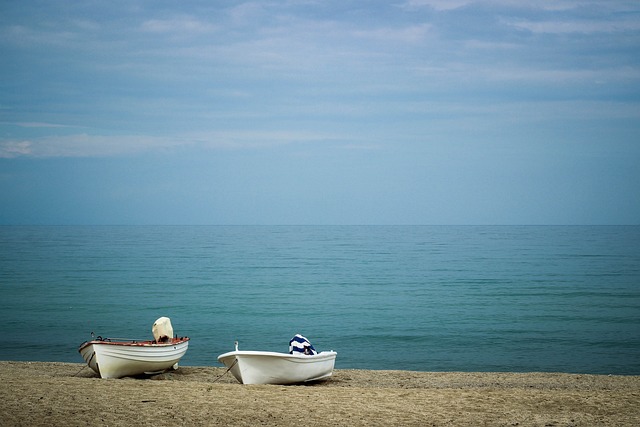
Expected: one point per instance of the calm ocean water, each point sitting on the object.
(426, 298)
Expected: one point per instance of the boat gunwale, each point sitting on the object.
(275, 353)
(141, 344)
(295, 357)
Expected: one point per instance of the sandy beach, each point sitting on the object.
(51, 394)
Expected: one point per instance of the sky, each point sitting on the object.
(320, 112)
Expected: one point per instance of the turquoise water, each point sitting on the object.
(408, 297)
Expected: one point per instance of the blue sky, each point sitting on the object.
(320, 112)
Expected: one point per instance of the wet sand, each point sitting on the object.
(56, 394)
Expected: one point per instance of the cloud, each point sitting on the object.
(407, 34)
(584, 27)
(85, 145)
(186, 26)
(546, 5)
(11, 149)
(436, 4)
(82, 145)
(547, 76)
(41, 125)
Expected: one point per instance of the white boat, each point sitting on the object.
(266, 367)
(117, 358)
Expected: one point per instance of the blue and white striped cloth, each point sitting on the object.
(300, 344)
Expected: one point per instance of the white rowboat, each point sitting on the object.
(265, 367)
(117, 359)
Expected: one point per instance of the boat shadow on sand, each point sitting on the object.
(198, 374)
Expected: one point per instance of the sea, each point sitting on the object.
(419, 298)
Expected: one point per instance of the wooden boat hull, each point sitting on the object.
(121, 359)
(264, 367)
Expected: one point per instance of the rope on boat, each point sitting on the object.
(117, 339)
(225, 372)
(89, 361)
(81, 369)
(109, 339)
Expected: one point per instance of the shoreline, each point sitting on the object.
(57, 393)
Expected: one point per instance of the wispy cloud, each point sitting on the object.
(82, 145)
(85, 145)
(186, 26)
(41, 125)
(583, 27)
(547, 5)
(10, 149)
(436, 4)
(407, 34)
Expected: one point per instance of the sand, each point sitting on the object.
(56, 394)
